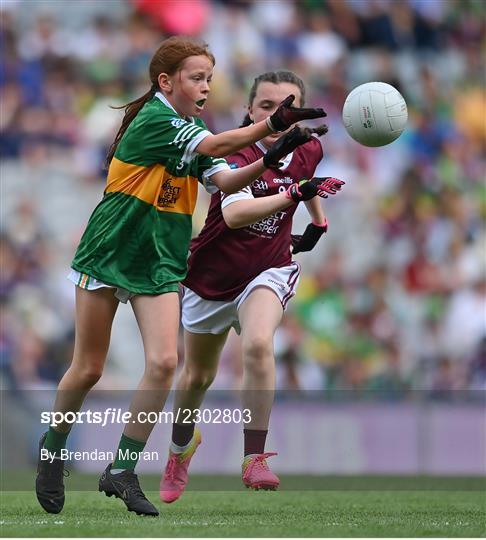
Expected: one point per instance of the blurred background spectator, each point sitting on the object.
(393, 299)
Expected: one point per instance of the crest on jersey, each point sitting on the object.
(168, 194)
(259, 185)
(178, 122)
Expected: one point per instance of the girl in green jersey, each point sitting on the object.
(136, 243)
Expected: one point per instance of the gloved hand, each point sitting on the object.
(288, 143)
(306, 189)
(308, 240)
(286, 115)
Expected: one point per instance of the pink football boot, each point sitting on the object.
(174, 481)
(256, 474)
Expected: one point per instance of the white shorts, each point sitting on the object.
(202, 316)
(90, 284)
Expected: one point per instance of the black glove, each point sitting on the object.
(288, 143)
(286, 115)
(308, 240)
(307, 189)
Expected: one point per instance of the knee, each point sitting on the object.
(161, 368)
(89, 376)
(199, 379)
(87, 365)
(257, 352)
(258, 347)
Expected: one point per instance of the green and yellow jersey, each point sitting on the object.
(138, 236)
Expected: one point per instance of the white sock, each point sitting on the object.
(176, 449)
(117, 471)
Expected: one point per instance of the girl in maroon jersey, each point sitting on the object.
(241, 275)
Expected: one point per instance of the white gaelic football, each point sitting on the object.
(375, 114)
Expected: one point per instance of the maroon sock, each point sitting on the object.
(182, 433)
(255, 440)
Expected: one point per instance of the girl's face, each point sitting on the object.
(267, 98)
(187, 90)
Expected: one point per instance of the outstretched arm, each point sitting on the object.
(247, 211)
(228, 142)
(236, 179)
(243, 212)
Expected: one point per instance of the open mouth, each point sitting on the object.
(201, 102)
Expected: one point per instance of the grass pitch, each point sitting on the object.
(356, 512)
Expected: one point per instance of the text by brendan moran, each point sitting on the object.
(97, 455)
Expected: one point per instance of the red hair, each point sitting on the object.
(168, 58)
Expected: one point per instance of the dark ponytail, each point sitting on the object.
(168, 59)
(247, 121)
(274, 77)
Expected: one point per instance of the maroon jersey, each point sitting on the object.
(223, 261)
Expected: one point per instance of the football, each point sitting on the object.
(375, 114)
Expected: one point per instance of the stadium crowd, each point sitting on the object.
(393, 298)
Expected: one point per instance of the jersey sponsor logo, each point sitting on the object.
(285, 180)
(269, 226)
(168, 194)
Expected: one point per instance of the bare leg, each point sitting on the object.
(95, 311)
(158, 320)
(200, 365)
(259, 315)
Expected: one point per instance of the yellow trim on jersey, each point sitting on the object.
(153, 185)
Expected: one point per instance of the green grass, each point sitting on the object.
(359, 512)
